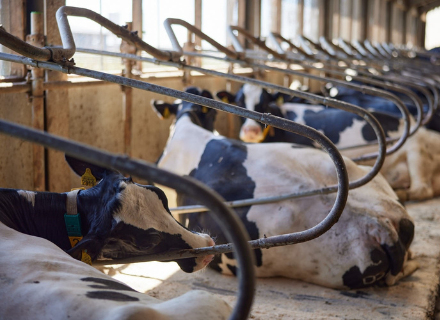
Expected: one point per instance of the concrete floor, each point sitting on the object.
(278, 298)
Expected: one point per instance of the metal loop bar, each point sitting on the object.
(68, 49)
(343, 185)
(228, 220)
(405, 115)
(363, 89)
(169, 22)
(380, 156)
(333, 103)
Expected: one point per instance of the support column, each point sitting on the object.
(137, 26)
(127, 97)
(60, 177)
(36, 38)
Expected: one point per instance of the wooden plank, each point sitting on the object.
(36, 38)
(13, 19)
(137, 26)
(346, 19)
(57, 108)
(276, 16)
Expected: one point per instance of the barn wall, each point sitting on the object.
(16, 167)
(94, 116)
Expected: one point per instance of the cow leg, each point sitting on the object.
(421, 169)
(408, 268)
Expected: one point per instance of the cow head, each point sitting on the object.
(200, 115)
(257, 99)
(125, 219)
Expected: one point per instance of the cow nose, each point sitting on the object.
(254, 130)
(406, 232)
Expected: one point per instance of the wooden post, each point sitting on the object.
(358, 22)
(137, 26)
(127, 97)
(275, 16)
(313, 20)
(36, 38)
(346, 20)
(60, 177)
(13, 17)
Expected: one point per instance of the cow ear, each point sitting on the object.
(206, 94)
(80, 167)
(90, 244)
(275, 110)
(163, 109)
(225, 96)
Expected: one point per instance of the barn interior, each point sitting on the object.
(117, 117)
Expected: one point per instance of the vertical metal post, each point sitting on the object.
(36, 38)
(127, 94)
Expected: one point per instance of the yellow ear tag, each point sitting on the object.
(280, 101)
(88, 179)
(204, 109)
(166, 113)
(86, 258)
(225, 99)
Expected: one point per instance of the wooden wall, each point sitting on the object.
(95, 117)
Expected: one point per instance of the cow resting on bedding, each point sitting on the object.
(117, 219)
(39, 281)
(413, 171)
(368, 245)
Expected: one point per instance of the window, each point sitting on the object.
(88, 34)
(432, 39)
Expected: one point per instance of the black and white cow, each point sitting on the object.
(40, 281)
(414, 170)
(118, 219)
(344, 129)
(369, 244)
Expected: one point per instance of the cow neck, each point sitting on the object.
(185, 138)
(39, 214)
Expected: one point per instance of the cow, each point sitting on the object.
(413, 171)
(344, 129)
(374, 103)
(369, 244)
(115, 219)
(38, 280)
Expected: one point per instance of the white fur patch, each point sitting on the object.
(28, 195)
(144, 209)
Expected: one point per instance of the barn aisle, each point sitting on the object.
(279, 298)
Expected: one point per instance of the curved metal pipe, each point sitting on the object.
(342, 187)
(227, 220)
(380, 156)
(68, 50)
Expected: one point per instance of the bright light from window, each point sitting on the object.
(88, 34)
(432, 39)
(154, 14)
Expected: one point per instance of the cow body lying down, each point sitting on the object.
(413, 171)
(40, 281)
(117, 218)
(369, 244)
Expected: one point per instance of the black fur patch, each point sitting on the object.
(110, 295)
(107, 284)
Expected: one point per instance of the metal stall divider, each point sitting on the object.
(363, 89)
(169, 22)
(230, 224)
(331, 102)
(356, 62)
(366, 70)
(141, 169)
